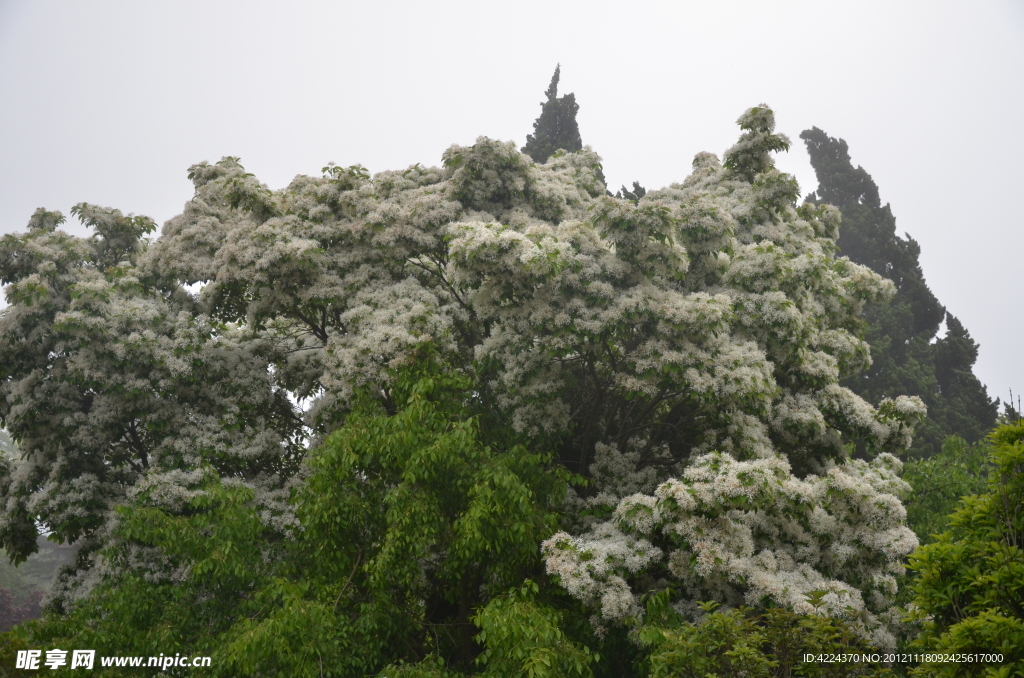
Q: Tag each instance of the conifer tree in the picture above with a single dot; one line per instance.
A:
(633, 195)
(556, 128)
(906, 357)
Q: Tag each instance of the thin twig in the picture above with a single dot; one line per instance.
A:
(359, 558)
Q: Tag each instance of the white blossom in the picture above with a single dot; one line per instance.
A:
(686, 351)
(749, 532)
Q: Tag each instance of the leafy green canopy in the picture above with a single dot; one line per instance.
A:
(905, 359)
(744, 642)
(940, 481)
(409, 524)
(971, 581)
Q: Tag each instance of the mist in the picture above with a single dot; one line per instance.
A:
(111, 102)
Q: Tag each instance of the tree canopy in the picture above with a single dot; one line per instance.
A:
(970, 586)
(940, 481)
(360, 421)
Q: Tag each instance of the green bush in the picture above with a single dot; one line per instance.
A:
(970, 586)
(939, 482)
(752, 644)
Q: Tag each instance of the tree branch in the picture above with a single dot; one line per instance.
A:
(359, 558)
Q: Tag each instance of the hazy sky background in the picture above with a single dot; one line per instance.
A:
(110, 102)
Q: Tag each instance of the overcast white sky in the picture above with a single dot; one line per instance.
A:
(110, 102)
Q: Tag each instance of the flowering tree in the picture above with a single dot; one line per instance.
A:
(110, 382)
(681, 352)
(747, 321)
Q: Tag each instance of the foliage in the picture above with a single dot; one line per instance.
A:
(461, 520)
(22, 588)
(10, 643)
(970, 585)
(632, 195)
(556, 128)
(324, 429)
(906, 357)
(743, 642)
(356, 587)
(522, 638)
(171, 582)
(939, 482)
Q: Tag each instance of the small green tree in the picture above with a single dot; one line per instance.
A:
(207, 564)
(12, 642)
(523, 638)
(556, 128)
(970, 587)
(939, 482)
(409, 525)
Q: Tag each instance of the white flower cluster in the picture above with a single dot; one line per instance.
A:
(749, 532)
(717, 300)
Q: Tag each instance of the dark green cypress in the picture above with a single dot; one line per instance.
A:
(556, 128)
(634, 195)
(907, 357)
